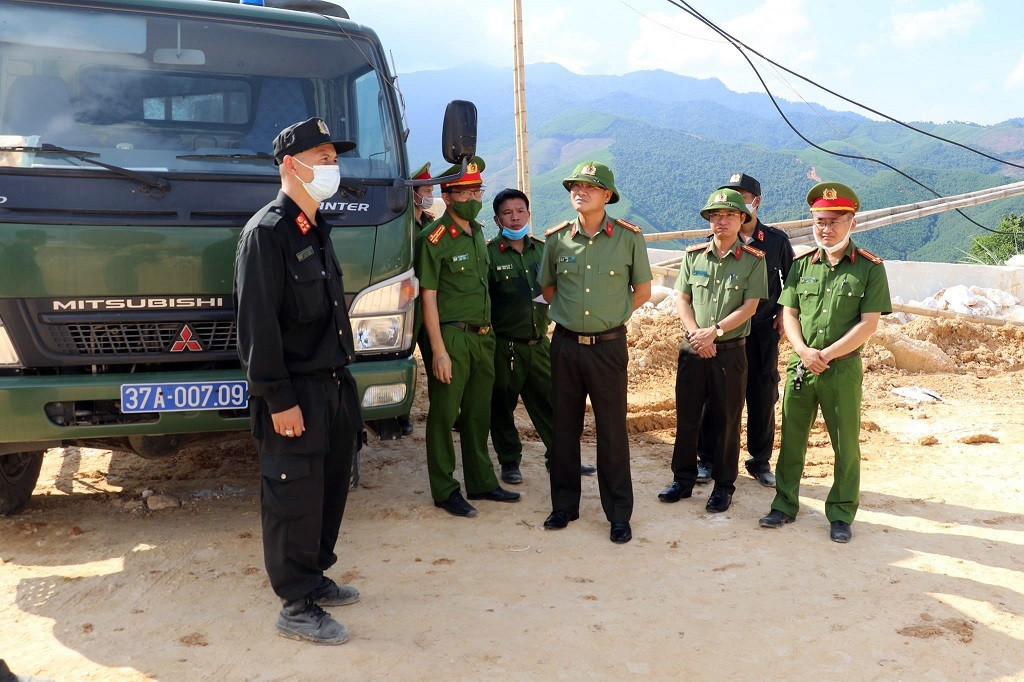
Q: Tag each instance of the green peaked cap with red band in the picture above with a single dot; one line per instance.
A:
(472, 177)
(833, 196)
(423, 173)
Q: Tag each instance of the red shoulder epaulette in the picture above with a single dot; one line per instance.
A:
(556, 228)
(870, 256)
(435, 236)
(629, 226)
(753, 251)
(697, 247)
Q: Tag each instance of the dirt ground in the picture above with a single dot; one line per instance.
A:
(93, 586)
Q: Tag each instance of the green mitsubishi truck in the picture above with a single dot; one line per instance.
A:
(135, 142)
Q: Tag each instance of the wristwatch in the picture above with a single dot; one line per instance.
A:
(718, 330)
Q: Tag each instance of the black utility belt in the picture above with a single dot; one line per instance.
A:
(329, 373)
(528, 342)
(471, 328)
(731, 343)
(590, 339)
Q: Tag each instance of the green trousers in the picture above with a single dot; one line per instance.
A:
(520, 370)
(469, 393)
(838, 392)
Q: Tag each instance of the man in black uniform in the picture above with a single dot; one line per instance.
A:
(762, 346)
(295, 342)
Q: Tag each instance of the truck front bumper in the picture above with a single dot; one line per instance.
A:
(28, 404)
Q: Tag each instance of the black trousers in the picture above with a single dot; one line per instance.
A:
(597, 370)
(305, 482)
(716, 385)
(762, 394)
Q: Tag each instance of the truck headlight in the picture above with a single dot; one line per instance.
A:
(382, 315)
(8, 356)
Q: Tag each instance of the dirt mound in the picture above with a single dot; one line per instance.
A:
(976, 348)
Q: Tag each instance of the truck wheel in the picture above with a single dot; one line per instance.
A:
(18, 475)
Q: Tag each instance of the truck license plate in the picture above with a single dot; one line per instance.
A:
(177, 397)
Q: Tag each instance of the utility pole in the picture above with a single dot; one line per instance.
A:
(522, 143)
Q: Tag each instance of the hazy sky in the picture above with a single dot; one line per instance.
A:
(922, 60)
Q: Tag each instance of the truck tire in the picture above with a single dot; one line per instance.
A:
(18, 475)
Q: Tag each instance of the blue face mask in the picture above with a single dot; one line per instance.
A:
(516, 234)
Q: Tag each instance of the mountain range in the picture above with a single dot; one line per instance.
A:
(671, 140)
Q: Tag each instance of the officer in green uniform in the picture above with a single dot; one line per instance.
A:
(452, 269)
(594, 273)
(522, 362)
(720, 284)
(832, 301)
(422, 199)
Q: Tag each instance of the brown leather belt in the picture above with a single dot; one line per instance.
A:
(731, 343)
(591, 339)
(471, 328)
(846, 356)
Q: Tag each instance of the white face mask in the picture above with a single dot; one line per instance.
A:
(325, 182)
(751, 208)
(423, 202)
(832, 250)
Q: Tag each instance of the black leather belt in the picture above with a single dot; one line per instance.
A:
(471, 328)
(528, 342)
(329, 373)
(731, 343)
(591, 339)
(846, 356)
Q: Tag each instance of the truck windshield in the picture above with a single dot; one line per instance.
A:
(183, 95)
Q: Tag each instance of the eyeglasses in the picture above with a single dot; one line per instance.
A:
(584, 187)
(460, 194)
(723, 215)
(830, 223)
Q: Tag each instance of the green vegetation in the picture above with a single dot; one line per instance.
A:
(672, 140)
(996, 248)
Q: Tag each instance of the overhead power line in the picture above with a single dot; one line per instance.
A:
(742, 48)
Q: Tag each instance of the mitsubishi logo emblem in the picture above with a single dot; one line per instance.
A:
(185, 341)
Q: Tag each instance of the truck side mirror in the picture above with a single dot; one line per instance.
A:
(458, 137)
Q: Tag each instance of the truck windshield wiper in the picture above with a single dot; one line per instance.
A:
(260, 156)
(347, 188)
(46, 148)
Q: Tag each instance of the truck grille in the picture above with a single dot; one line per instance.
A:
(142, 338)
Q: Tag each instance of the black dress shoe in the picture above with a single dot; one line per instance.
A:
(405, 425)
(703, 472)
(840, 531)
(719, 501)
(621, 532)
(499, 494)
(510, 473)
(775, 519)
(587, 470)
(765, 478)
(674, 492)
(456, 505)
(559, 519)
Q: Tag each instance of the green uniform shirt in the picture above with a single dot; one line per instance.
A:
(831, 298)
(454, 264)
(717, 286)
(594, 275)
(513, 286)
